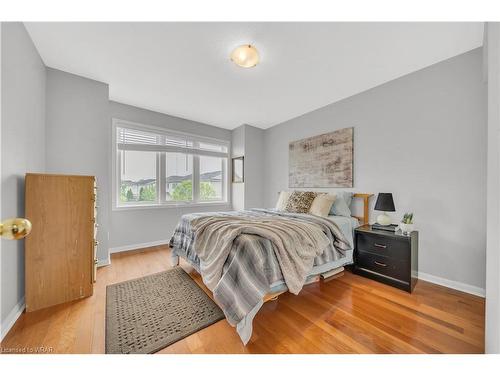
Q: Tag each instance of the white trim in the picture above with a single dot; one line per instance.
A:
(161, 165)
(220, 204)
(174, 149)
(11, 319)
(104, 262)
(471, 289)
(195, 174)
(120, 249)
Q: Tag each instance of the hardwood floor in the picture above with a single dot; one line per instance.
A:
(349, 314)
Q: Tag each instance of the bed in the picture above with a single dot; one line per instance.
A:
(240, 259)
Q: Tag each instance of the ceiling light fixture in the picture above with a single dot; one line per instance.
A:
(245, 56)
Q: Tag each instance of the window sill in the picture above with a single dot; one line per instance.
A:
(172, 205)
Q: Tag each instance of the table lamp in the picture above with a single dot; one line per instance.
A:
(384, 203)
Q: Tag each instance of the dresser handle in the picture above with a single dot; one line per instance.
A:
(379, 245)
(380, 264)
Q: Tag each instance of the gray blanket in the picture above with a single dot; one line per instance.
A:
(251, 267)
(295, 243)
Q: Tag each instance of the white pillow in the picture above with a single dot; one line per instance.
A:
(322, 204)
(283, 200)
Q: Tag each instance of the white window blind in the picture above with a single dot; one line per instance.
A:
(139, 140)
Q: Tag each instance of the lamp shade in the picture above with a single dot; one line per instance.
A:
(385, 202)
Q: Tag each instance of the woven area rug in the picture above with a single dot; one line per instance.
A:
(147, 314)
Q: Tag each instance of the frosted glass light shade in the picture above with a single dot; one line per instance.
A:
(245, 56)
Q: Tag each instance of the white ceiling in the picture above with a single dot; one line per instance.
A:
(183, 69)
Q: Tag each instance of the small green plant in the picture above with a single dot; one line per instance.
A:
(407, 218)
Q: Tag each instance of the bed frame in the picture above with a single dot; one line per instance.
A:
(366, 207)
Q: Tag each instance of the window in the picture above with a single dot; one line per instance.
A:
(211, 181)
(137, 176)
(157, 167)
(179, 173)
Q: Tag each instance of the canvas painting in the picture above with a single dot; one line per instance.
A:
(324, 160)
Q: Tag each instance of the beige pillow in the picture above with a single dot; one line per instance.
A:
(322, 204)
(300, 202)
(283, 200)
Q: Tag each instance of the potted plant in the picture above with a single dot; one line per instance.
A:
(406, 224)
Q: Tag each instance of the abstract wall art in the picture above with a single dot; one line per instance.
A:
(324, 160)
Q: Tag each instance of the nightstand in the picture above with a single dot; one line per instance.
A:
(388, 257)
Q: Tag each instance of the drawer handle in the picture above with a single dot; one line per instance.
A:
(379, 245)
(380, 264)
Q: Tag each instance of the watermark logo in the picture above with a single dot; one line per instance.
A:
(27, 350)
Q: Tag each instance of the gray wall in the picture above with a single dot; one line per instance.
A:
(79, 136)
(22, 147)
(254, 167)
(423, 138)
(492, 57)
(138, 226)
(248, 141)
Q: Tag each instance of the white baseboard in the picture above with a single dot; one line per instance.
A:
(471, 289)
(119, 249)
(104, 262)
(11, 319)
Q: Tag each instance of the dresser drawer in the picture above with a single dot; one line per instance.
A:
(386, 266)
(389, 247)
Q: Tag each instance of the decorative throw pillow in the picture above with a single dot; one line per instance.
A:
(300, 201)
(340, 207)
(348, 197)
(283, 200)
(322, 204)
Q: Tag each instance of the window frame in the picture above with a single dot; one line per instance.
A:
(161, 181)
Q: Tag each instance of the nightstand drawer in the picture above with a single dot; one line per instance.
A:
(397, 269)
(385, 246)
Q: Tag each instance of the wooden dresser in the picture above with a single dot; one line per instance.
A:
(388, 257)
(60, 252)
